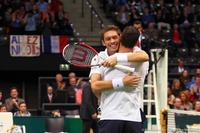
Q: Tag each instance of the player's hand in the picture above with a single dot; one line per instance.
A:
(110, 62)
(130, 80)
(94, 116)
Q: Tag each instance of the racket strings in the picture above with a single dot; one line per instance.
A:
(78, 54)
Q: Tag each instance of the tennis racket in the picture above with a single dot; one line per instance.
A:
(82, 55)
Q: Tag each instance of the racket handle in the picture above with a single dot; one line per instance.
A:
(126, 68)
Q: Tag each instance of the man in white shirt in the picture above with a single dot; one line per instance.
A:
(121, 98)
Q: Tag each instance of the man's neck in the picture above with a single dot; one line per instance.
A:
(123, 49)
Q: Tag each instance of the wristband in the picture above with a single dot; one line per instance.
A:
(117, 83)
(122, 58)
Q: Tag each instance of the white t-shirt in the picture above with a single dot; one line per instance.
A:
(122, 104)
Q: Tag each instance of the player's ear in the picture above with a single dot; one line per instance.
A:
(120, 37)
(103, 42)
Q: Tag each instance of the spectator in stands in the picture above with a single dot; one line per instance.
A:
(49, 97)
(5, 5)
(152, 33)
(35, 9)
(191, 38)
(42, 5)
(47, 25)
(55, 4)
(8, 17)
(1, 95)
(176, 36)
(177, 103)
(152, 7)
(173, 17)
(123, 18)
(3, 108)
(88, 110)
(29, 5)
(186, 104)
(185, 78)
(141, 6)
(73, 75)
(180, 67)
(79, 92)
(171, 97)
(110, 7)
(59, 84)
(135, 16)
(195, 88)
(48, 11)
(197, 71)
(16, 4)
(185, 19)
(12, 103)
(196, 105)
(177, 6)
(30, 23)
(190, 96)
(71, 90)
(190, 7)
(65, 26)
(176, 87)
(22, 110)
(147, 18)
(16, 25)
(160, 20)
(163, 8)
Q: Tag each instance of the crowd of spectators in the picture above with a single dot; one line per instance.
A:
(180, 17)
(34, 17)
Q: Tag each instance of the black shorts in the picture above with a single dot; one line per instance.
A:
(121, 126)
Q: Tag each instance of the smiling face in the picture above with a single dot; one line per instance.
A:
(111, 41)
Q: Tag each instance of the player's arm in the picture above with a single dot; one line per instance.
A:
(138, 56)
(99, 86)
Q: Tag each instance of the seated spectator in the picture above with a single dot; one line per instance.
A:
(197, 71)
(59, 84)
(71, 91)
(164, 9)
(177, 6)
(30, 23)
(176, 87)
(173, 17)
(185, 19)
(1, 100)
(176, 36)
(141, 6)
(147, 18)
(190, 96)
(197, 11)
(185, 78)
(49, 97)
(196, 106)
(195, 88)
(191, 38)
(55, 4)
(152, 33)
(135, 16)
(79, 92)
(22, 110)
(180, 68)
(73, 75)
(65, 26)
(29, 5)
(12, 103)
(177, 103)
(123, 18)
(186, 104)
(3, 108)
(160, 20)
(42, 5)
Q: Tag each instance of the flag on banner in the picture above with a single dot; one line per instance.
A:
(53, 44)
(24, 46)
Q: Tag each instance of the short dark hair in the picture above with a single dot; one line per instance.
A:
(12, 88)
(130, 36)
(2, 105)
(196, 76)
(137, 22)
(22, 103)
